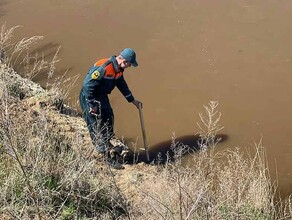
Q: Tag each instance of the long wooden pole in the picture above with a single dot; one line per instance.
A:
(144, 133)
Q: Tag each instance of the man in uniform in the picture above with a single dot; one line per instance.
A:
(101, 79)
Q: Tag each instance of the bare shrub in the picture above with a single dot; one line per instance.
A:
(209, 125)
(11, 51)
(6, 41)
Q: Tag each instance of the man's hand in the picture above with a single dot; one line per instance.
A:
(137, 103)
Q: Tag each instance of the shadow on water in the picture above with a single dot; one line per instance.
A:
(163, 151)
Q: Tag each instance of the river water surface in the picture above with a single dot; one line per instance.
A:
(189, 52)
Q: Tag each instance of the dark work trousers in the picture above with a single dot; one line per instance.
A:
(100, 126)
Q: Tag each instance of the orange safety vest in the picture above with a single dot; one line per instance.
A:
(110, 72)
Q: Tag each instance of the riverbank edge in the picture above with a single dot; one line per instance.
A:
(33, 100)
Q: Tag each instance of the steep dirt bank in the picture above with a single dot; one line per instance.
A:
(28, 102)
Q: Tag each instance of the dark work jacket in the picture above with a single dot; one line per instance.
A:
(102, 78)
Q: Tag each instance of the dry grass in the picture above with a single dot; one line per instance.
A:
(222, 185)
(20, 55)
(42, 177)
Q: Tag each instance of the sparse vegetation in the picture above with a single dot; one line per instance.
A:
(213, 185)
(48, 170)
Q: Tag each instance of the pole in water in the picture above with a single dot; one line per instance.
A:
(144, 133)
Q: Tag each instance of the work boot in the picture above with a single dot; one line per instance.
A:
(101, 148)
(115, 142)
(119, 151)
(115, 164)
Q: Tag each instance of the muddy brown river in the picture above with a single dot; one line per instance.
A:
(189, 52)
